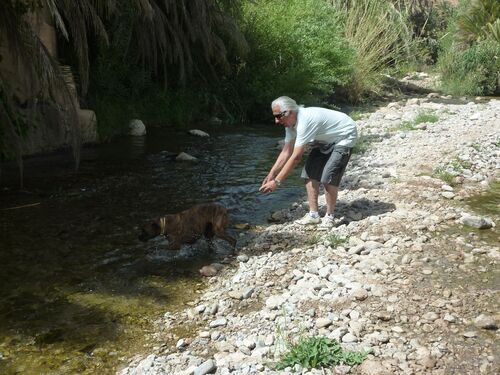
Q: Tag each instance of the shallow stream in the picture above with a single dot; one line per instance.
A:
(78, 292)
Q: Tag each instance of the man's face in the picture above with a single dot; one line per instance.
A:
(285, 118)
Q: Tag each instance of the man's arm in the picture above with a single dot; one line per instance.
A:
(293, 160)
(280, 161)
(298, 151)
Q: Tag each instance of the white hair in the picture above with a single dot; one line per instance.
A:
(285, 103)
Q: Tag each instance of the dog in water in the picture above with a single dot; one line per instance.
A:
(208, 219)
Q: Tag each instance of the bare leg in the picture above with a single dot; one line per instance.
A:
(312, 188)
(331, 193)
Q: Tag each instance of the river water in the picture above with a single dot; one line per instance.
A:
(78, 292)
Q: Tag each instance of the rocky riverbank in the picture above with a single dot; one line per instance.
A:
(402, 275)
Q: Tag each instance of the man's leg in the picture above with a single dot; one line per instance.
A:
(331, 193)
(312, 188)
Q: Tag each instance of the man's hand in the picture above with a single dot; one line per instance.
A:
(268, 178)
(268, 187)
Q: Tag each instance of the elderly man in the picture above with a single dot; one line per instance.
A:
(331, 134)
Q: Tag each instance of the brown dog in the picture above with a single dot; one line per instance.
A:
(208, 219)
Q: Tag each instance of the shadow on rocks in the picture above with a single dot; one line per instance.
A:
(362, 208)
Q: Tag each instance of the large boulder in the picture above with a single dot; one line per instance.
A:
(137, 128)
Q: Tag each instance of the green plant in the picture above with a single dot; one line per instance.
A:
(476, 146)
(335, 240)
(479, 20)
(395, 180)
(355, 115)
(362, 145)
(313, 239)
(425, 117)
(379, 34)
(404, 126)
(317, 352)
(474, 70)
(297, 49)
(444, 175)
(458, 165)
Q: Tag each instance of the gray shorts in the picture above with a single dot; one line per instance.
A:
(327, 164)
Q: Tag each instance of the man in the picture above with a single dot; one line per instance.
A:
(331, 134)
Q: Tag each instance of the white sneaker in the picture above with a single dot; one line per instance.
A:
(327, 222)
(308, 220)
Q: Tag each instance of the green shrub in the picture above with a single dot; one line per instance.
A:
(478, 20)
(317, 352)
(471, 71)
(297, 50)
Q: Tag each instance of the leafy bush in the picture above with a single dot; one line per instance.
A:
(428, 20)
(469, 61)
(471, 71)
(479, 20)
(319, 351)
(297, 50)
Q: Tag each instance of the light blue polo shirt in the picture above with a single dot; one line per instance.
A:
(322, 125)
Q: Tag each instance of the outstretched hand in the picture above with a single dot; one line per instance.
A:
(268, 186)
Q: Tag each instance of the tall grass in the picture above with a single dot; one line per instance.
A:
(379, 34)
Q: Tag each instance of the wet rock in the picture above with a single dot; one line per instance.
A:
(209, 271)
(186, 157)
(137, 128)
(476, 222)
(198, 133)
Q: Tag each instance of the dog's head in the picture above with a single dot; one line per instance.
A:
(150, 230)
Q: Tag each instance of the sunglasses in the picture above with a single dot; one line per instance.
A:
(280, 115)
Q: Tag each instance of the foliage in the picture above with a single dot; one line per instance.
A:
(297, 50)
(363, 143)
(471, 71)
(39, 77)
(422, 117)
(335, 240)
(313, 239)
(180, 52)
(317, 352)
(425, 117)
(444, 175)
(469, 60)
(380, 36)
(179, 39)
(479, 20)
(428, 20)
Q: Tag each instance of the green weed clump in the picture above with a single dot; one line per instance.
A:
(317, 352)
(362, 145)
(444, 175)
(421, 118)
(335, 240)
(426, 117)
